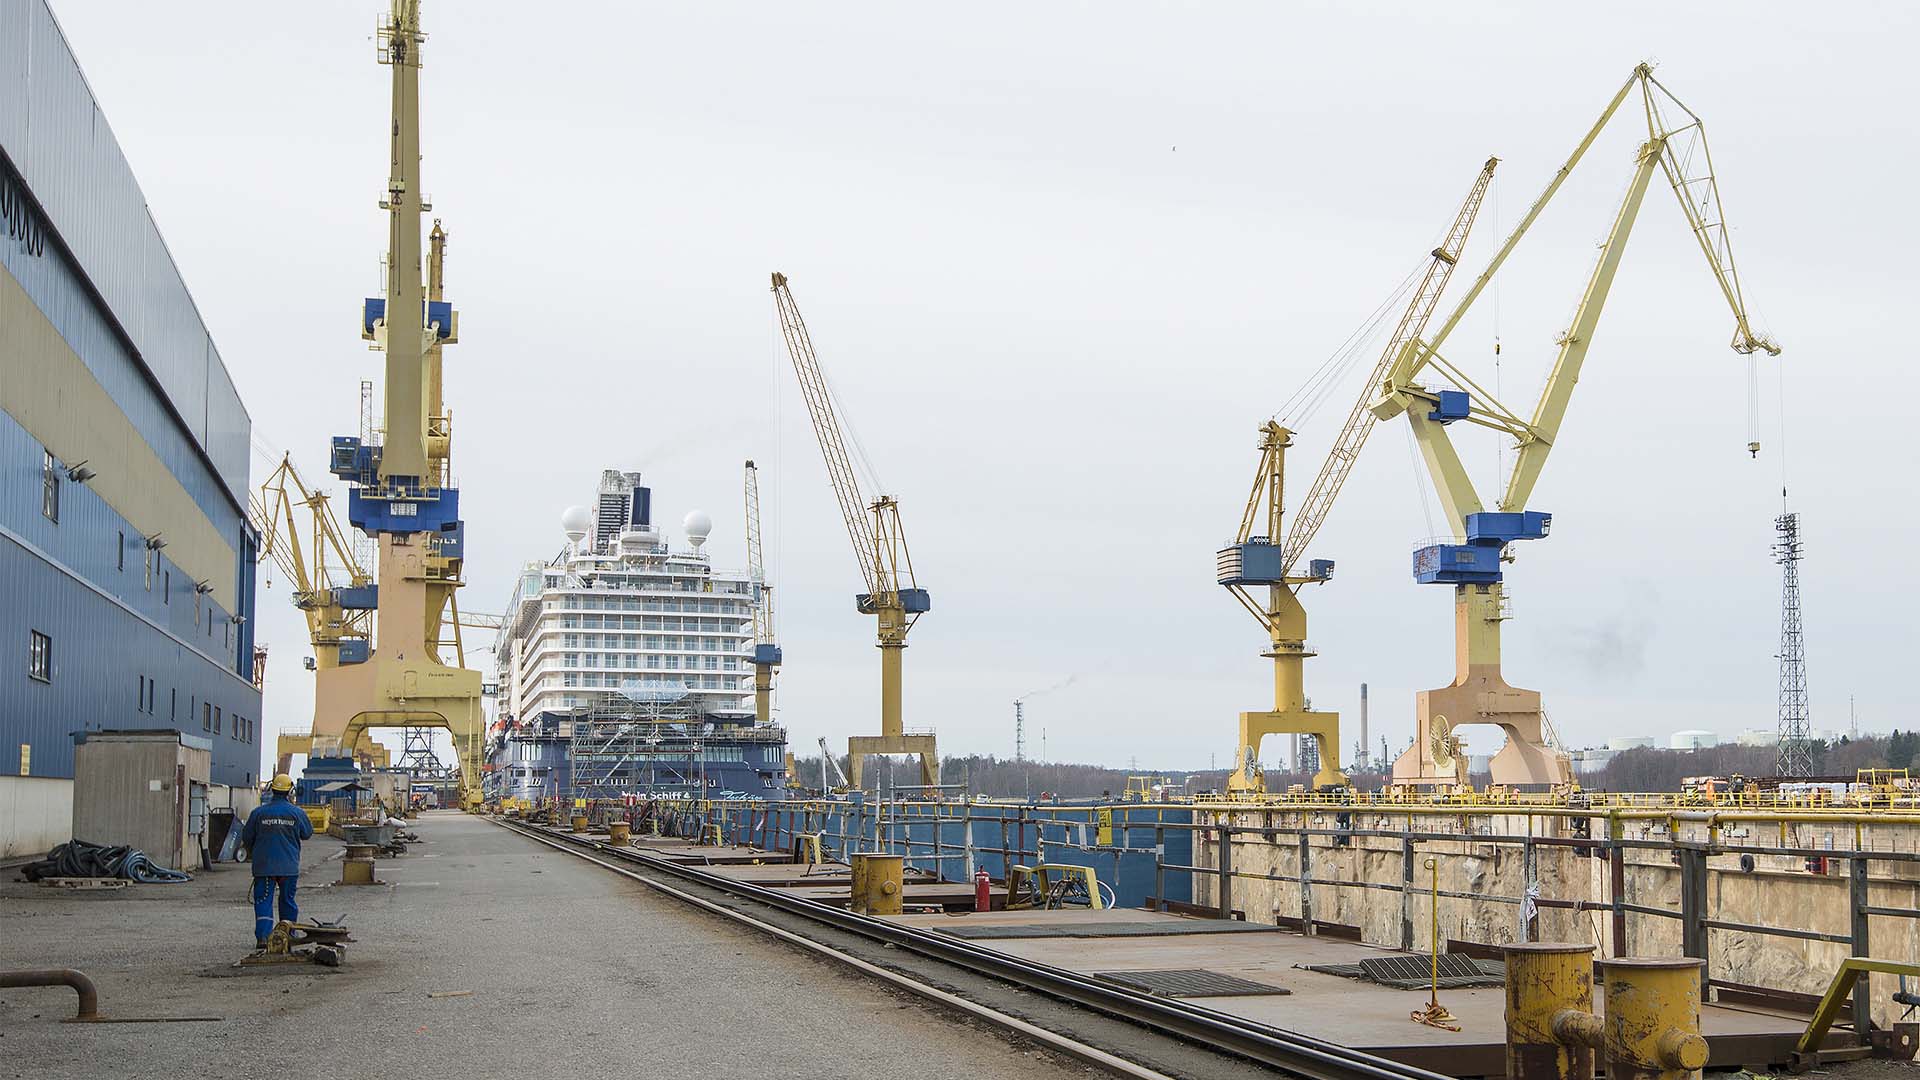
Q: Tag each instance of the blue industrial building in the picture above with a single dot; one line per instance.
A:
(126, 557)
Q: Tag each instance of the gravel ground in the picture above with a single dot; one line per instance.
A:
(556, 967)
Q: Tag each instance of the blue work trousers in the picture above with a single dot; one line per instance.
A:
(263, 890)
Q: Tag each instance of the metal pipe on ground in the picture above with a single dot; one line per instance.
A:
(89, 1006)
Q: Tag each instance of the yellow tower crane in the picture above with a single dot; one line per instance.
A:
(766, 654)
(1259, 557)
(1676, 145)
(879, 544)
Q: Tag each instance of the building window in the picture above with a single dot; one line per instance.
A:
(217, 719)
(149, 548)
(49, 486)
(140, 696)
(206, 716)
(173, 703)
(166, 592)
(39, 656)
(120, 553)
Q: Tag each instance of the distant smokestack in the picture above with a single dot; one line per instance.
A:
(1363, 718)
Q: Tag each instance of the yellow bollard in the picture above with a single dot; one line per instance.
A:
(619, 833)
(356, 865)
(877, 884)
(1652, 1024)
(1546, 979)
(579, 823)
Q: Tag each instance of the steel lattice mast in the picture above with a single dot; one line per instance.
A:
(1796, 752)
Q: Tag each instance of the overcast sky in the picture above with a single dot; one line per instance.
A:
(1060, 261)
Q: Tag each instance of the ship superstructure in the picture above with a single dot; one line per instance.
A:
(625, 665)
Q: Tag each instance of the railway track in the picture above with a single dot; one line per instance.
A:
(1109, 1027)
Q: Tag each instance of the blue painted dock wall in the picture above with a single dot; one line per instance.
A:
(935, 837)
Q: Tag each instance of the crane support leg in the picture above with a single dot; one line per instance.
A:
(763, 694)
(860, 747)
(1479, 694)
(1287, 624)
(891, 725)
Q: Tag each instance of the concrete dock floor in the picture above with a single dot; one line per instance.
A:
(555, 967)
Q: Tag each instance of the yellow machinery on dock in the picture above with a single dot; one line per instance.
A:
(1472, 563)
(880, 545)
(377, 637)
(1257, 555)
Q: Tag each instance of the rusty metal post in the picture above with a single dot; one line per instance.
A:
(1549, 983)
(89, 995)
(1652, 1022)
(1306, 884)
(1406, 888)
(1159, 865)
(1862, 990)
(1693, 905)
(1617, 858)
(1225, 865)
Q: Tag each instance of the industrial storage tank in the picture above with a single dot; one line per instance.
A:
(1692, 739)
(1630, 742)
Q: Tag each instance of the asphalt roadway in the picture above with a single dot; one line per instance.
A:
(483, 955)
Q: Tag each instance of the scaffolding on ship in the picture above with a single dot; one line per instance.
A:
(648, 742)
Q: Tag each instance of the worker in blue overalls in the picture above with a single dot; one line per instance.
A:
(272, 836)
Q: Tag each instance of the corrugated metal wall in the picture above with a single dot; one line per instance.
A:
(56, 136)
(108, 285)
(100, 653)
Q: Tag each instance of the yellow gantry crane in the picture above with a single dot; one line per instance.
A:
(766, 654)
(330, 587)
(1259, 557)
(1676, 146)
(880, 545)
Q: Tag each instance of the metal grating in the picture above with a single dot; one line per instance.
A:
(1188, 982)
(1415, 971)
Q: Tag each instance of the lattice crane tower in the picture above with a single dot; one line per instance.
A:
(1796, 751)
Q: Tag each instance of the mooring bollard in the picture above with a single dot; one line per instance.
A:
(1545, 980)
(877, 885)
(1652, 1024)
(619, 833)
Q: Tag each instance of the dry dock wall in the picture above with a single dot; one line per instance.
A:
(1490, 876)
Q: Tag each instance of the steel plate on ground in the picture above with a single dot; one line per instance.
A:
(1188, 982)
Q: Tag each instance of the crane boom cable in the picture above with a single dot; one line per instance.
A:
(1300, 406)
(1345, 452)
(854, 508)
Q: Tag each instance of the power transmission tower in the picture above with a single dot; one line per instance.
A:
(1796, 756)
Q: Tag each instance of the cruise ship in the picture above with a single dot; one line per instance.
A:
(625, 666)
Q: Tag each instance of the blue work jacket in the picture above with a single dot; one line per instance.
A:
(273, 833)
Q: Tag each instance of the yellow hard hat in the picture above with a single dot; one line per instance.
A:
(282, 782)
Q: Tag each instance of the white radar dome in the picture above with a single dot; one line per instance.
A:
(698, 526)
(576, 520)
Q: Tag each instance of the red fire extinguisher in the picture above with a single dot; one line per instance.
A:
(982, 891)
